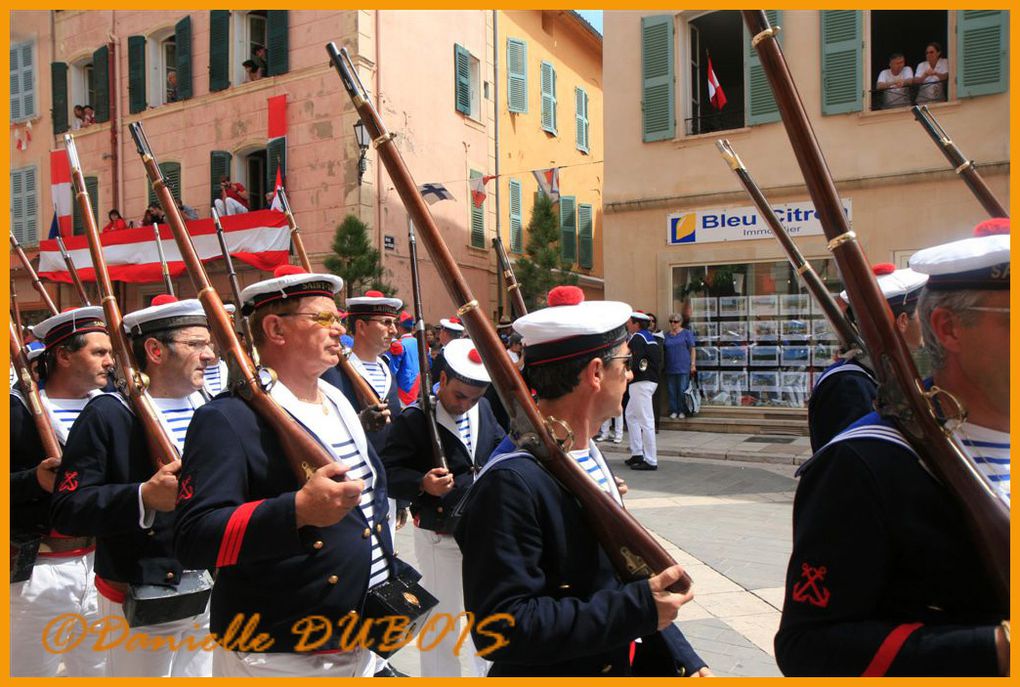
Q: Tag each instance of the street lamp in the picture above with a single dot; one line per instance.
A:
(364, 140)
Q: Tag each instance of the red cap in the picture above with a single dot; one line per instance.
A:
(565, 295)
(163, 299)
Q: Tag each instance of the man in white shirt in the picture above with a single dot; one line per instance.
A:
(894, 82)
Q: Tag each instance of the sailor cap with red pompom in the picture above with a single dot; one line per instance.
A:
(980, 262)
(453, 324)
(166, 312)
(373, 303)
(464, 360)
(289, 281)
(899, 287)
(571, 327)
(58, 328)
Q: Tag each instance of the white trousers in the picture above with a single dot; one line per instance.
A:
(163, 661)
(357, 663)
(439, 560)
(618, 432)
(57, 587)
(231, 207)
(641, 421)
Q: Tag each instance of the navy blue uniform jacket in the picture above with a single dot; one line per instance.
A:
(236, 513)
(529, 552)
(645, 347)
(30, 503)
(839, 399)
(392, 400)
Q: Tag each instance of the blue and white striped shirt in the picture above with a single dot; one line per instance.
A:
(177, 412)
(464, 427)
(990, 450)
(66, 410)
(216, 378)
(591, 466)
(376, 376)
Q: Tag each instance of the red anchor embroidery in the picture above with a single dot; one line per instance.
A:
(185, 491)
(810, 589)
(69, 483)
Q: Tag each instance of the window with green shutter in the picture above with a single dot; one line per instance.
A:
(101, 80)
(658, 106)
(22, 83)
(761, 104)
(581, 117)
(568, 229)
(842, 89)
(219, 166)
(182, 58)
(276, 156)
(58, 80)
(981, 45)
(219, 50)
(136, 74)
(277, 45)
(549, 98)
(516, 75)
(516, 218)
(462, 81)
(585, 236)
(25, 206)
(477, 218)
(92, 188)
(172, 173)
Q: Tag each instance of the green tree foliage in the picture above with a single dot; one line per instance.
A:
(356, 261)
(541, 267)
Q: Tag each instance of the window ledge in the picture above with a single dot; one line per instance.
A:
(881, 116)
(679, 142)
(34, 120)
(473, 123)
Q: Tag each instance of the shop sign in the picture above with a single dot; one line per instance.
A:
(743, 223)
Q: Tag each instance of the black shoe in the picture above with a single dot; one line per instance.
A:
(634, 460)
(390, 671)
(642, 465)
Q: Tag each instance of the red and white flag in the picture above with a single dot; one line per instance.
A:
(715, 91)
(548, 181)
(260, 239)
(277, 131)
(277, 204)
(60, 188)
(478, 193)
(22, 136)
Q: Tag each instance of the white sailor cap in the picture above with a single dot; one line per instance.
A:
(899, 287)
(452, 323)
(373, 303)
(166, 312)
(289, 281)
(571, 327)
(463, 359)
(640, 315)
(61, 327)
(980, 262)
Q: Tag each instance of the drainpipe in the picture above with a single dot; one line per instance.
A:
(116, 140)
(378, 167)
(499, 180)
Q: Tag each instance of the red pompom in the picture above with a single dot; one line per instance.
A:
(455, 320)
(69, 308)
(883, 268)
(374, 294)
(992, 227)
(565, 295)
(474, 356)
(287, 270)
(163, 299)
(396, 348)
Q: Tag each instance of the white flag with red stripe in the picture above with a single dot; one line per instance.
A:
(478, 193)
(715, 91)
(60, 188)
(277, 204)
(260, 239)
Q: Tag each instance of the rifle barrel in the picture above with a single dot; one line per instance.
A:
(72, 270)
(517, 305)
(36, 282)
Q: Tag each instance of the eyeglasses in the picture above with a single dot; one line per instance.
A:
(674, 321)
(387, 322)
(194, 344)
(324, 319)
(625, 358)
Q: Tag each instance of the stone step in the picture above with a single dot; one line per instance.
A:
(739, 424)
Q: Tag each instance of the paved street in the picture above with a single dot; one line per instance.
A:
(728, 521)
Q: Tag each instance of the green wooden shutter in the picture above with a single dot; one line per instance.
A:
(92, 188)
(585, 231)
(172, 174)
(517, 75)
(516, 220)
(462, 79)
(101, 78)
(136, 74)
(981, 44)
(842, 89)
(568, 228)
(658, 109)
(477, 218)
(761, 104)
(22, 83)
(581, 119)
(219, 165)
(24, 206)
(58, 76)
(276, 155)
(182, 38)
(277, 50)
(219, 50)
(549, 98)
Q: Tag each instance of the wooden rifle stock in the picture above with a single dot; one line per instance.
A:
(901, 394)
(632, 549)
(303, 453)
(162, 449)
(517, 306)
(963, 167)
(235, 289)
(849, 339)
(16, 312)
(69, 261)
(425, 397)
(36, 282)
(168, 284)
(295, 232)
(30, 390)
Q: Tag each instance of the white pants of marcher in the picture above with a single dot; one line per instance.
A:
(618, 432)
(641, 421)
(439, 561)
(162, 662)
(58, 587)
(357, 663)
(232, 207)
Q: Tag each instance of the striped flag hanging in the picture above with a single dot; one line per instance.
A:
(548, 181)
(276, 146)
(478, 193)
(60, 187)
(715, 91)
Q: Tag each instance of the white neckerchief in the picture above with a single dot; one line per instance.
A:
(359, 365)
(444, 418)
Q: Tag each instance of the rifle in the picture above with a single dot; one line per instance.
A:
(69, 261)
(633, 551)
(132, 382)
(36, 282)
(849, 339)
(235, 289)
(30, 390)
(16, 311)
(901, 394)
(303, 453)
(295, 233)
(427, 400)
(168, 284)
(963, 167)
(513, 289)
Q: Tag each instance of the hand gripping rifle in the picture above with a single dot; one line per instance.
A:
(36, 282)
(633, 551)
(69, 261)
(132, 382)
(849, 339)
(30, 390)
(168, 284)
(901, 394)
(513, 289)
(302, 451)
(425, 397)
(295, 232)
(961, 165)
(235, 289)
